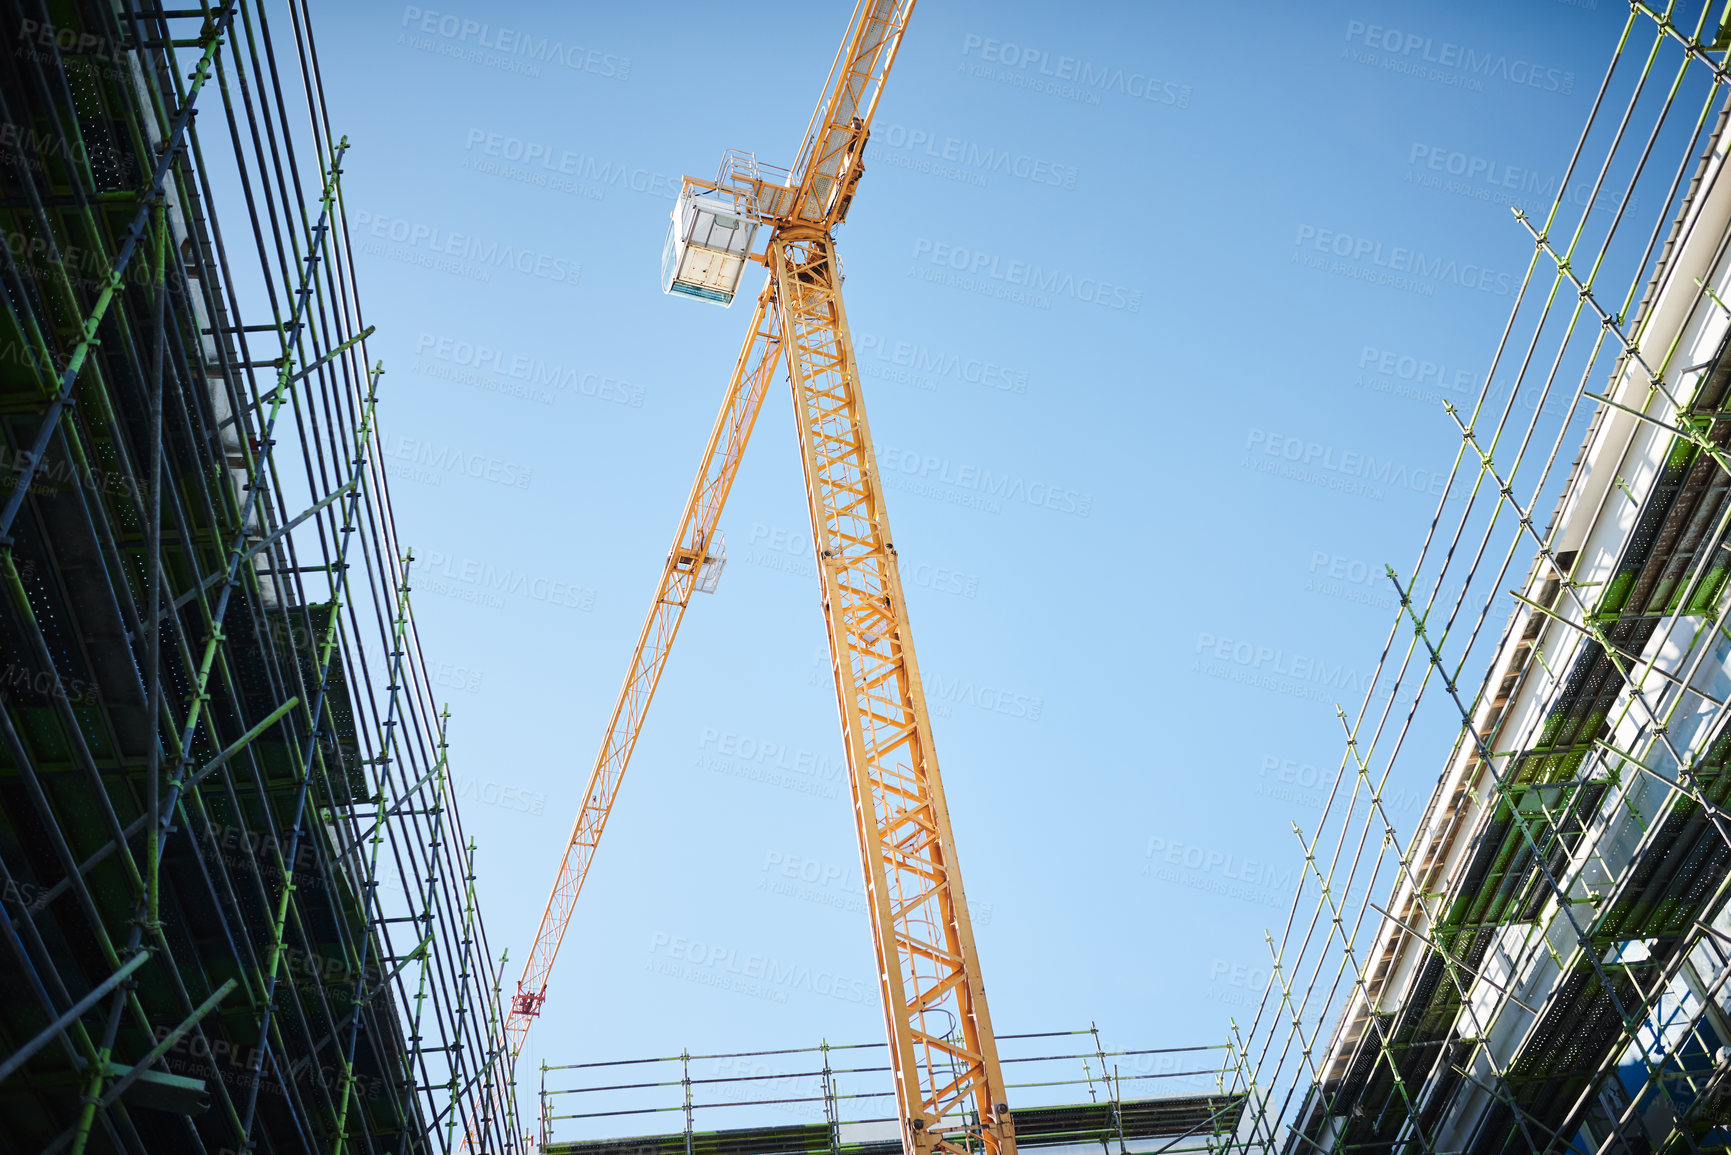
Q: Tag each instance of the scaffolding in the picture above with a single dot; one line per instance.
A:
(839, 1099)
(1545, 963)
(237, 903)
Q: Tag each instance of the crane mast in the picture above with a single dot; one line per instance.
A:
(948, 1083)
(949, 1086)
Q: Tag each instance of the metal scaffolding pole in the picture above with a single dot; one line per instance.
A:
(1575, 855)
(162, 530)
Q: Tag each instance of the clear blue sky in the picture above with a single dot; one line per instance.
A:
(1300, 214)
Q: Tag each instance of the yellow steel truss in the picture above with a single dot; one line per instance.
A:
(942, 1051)
(679, 575)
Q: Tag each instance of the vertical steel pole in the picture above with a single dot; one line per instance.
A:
(153, 562)
(685, 1078)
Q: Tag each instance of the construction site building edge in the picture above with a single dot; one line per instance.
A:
(237, 901)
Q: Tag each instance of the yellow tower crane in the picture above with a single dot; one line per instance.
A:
(949, 1087)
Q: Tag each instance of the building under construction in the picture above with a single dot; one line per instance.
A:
(1545, 963)
(236, 898)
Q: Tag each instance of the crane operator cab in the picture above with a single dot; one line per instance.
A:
(707, 244)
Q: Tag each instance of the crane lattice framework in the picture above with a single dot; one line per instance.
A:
(949, 1087)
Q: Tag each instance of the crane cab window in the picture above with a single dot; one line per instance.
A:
(707, 245)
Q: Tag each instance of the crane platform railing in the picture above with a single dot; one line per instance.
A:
(763, 192)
